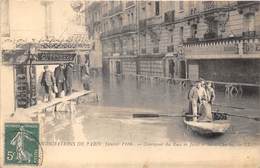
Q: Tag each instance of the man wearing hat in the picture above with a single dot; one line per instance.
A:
(60, 79)
(194, 99)
(48, 82)
(69, 78)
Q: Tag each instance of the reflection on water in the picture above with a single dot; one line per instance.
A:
(111, 119)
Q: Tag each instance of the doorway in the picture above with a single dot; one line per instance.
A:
(171, 68)
(182, 69)
(118, 67)
(193, 72)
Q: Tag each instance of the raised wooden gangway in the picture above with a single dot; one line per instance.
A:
(41, 107)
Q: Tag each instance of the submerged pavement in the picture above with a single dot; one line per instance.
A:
(110, 120)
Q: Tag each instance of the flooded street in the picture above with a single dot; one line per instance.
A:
(110, 120)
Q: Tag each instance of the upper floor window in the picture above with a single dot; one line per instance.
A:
(249, 22)
(194, 31)
(181, 34)
(157, 8)
(181, 5)
(209, 5)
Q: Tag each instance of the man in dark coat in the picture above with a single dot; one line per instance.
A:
(69, 78)
(48, 82)
(60, 79)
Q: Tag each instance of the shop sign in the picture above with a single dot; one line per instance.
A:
(48, 57)
(231, 48)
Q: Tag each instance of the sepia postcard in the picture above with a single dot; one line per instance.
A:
(129, 84)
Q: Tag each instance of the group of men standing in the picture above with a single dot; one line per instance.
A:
(201, 97)
(59, 82)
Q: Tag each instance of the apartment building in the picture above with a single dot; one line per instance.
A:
(214, 40)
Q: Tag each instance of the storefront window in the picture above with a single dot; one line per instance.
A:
(157, 8)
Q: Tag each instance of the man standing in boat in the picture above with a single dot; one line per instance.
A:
(207, 96)
(210, 93)
(194, 99)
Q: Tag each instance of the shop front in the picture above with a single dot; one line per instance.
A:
(25, 66)
(175, 66)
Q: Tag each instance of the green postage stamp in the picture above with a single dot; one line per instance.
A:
(21, 145)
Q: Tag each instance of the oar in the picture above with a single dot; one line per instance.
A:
(150, 115)
(242, 116)
(240, 108)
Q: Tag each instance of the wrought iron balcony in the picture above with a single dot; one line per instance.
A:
(169, 16)
(245, 2)
(111, 32)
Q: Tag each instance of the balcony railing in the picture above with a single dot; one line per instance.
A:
(154, 20)
(116, 9)
(111, 32)
(246, 2)
(169, 16)
(129, 28)
(129, 3)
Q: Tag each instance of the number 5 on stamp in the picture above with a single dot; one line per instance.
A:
(21, 143)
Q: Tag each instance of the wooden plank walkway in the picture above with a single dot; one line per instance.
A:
(34, 110)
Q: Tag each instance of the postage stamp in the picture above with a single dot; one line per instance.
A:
(21, 145)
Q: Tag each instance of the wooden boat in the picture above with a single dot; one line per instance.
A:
(219, 125)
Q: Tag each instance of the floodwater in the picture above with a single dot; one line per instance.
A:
(110, 120)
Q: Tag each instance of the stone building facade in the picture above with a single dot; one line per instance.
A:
(34, 27)
(214, 40)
